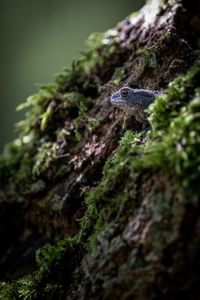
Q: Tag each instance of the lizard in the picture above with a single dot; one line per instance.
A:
(134, 101)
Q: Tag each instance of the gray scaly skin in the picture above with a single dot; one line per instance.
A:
(134, 101)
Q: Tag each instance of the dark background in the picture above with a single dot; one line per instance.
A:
(39, 37)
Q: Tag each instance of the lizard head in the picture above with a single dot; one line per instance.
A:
(123, 97)
(134, 101)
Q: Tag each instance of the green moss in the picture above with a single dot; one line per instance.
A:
(95, 40)
(83, 120)
(32, 159)
(28, 286)
(54, 265)
(7, 291)
(119, 76)
(25, 169)
(93, 123)
(27, 156)
(47, 116)
(149, 56)
(101, 204)
(76, 100)
(49, 256)
(17, 160)
(8, 161)
(174, 139)
(45, 155)
(36, 104)
(25, 288)
(80, 120)
(168, 35)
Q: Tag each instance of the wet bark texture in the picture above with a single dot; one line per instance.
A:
(139, 253)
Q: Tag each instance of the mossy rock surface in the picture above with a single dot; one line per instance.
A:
(90, 210)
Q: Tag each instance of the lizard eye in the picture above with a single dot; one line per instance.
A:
(124, 93)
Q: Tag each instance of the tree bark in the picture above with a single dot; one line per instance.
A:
(116, 210)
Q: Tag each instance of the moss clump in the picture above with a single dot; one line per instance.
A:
(17, 160)
(173, 143)
(175, 139)
(37, 145)
(119, 76)
(47, 116)
(36, 104)
(45, 155)
(167, 35)
(95, 40)
(9, 160)
(49, 256)
(149, 56)
(49, 109)
(55, 264)
(81, 120)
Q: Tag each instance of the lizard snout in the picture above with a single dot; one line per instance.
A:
(116, 100)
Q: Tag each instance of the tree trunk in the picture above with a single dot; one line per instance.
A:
(110, 212)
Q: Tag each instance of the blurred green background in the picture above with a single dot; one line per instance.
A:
(39, 37)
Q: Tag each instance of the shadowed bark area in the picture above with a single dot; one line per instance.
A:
(116, 210)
